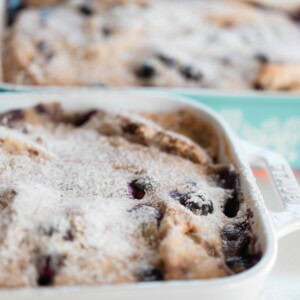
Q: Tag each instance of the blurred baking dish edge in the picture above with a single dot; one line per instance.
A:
(81, 43)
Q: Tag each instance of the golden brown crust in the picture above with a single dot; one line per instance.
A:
(182, 248)
(185, 122)
(93, 3)
(15, 63)
(233, 19)
(15, 146)
(278, 77)
(39, 3)
(139, 131)
(287, 5)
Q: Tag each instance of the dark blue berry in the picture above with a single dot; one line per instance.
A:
(83, 118)
(48, 266)
(40, 109)
(152, 275)
(176, 195)
(85, 10)
(146, 71)
(130, 128)
(44, 48)
(232, 205)
(262, 58)
(295, 16)
(13, 116)
(190, 73)
(166, 60)
(228, 177)
(69, 236)
(139, 187)
(107, 30)
(231, 233)
(195, 202)
(240, 263)
(236, 263)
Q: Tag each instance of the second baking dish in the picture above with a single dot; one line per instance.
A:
(207, 44)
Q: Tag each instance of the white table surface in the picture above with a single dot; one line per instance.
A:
(284, 282)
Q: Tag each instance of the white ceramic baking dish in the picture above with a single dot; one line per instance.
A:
(268, 226)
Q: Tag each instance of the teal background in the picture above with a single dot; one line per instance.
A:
(259, 112)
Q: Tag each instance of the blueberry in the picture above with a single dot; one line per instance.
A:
(196, 202)
(237, 238)
(107, 30)
(181, 197)
(16, 115)
(258, 86)
(176, 195)
(83, 118)
(237, 241)
(49, 231)
(41, 46)
(240, 263)
(69, 236)
(146, 71)
(139, 187)
(295, 16)
(130, 128)
(232, 205)
(85, 10)
(236, 263)
(40, 109)
(262, 58)
(44, 48)
(200, 204)
(152, 274)
(190, 73)
(13, 116)
(244, 226)
(228, 177)
(166, 60)
(231, 233)
(48, 266)
(253, 259)
(136, 192)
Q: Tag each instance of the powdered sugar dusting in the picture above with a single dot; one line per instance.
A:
(71, 216)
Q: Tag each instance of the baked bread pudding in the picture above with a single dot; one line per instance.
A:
(228, 45)
(103, 197)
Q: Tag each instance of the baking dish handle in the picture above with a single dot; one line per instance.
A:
(285, 185)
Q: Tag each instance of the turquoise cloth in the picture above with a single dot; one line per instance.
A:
(269, 121)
